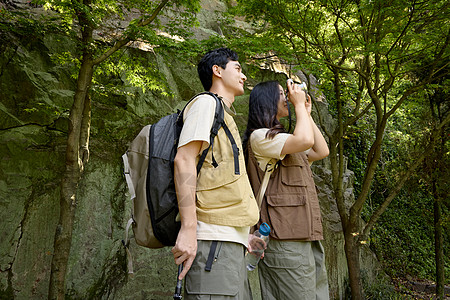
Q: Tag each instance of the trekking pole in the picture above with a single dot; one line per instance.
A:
(177, 295)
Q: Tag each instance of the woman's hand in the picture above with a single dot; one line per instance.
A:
(296, 94)
(256, 243)
(303, 137)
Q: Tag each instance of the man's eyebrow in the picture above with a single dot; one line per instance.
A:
(236, 64)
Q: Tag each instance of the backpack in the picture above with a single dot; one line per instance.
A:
(148, 169)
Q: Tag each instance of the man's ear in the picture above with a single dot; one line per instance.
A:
(217, 70)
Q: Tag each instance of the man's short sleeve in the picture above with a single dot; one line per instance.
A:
(198, 118)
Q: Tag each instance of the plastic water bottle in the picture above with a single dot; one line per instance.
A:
(259, 244)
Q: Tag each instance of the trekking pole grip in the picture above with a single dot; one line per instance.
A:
(177, 295)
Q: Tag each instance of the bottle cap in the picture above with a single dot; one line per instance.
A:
(264, 229)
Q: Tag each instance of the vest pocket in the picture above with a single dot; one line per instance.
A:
(288, 217)
(292, 172)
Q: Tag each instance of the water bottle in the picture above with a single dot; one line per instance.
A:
(259, 244)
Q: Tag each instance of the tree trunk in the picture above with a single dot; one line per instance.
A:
(77, 151)
(439, 245)
(69, 183)
(438, 235)
(352, 254)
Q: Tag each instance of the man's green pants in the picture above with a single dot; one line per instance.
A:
(227, 279)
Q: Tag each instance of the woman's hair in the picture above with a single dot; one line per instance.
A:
(262, 111)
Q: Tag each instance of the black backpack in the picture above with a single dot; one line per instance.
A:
(148, 169)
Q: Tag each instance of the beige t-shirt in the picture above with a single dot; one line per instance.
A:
(198, 119)
(267, 150)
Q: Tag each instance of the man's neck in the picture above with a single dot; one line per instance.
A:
(228, 98)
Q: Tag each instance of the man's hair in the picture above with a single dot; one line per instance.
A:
(220, 57)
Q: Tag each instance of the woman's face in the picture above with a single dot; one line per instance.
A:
(282, 104)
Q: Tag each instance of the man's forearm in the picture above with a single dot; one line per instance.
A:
(185, 185)
(185, 172)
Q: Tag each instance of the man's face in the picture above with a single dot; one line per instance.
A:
(233, 78)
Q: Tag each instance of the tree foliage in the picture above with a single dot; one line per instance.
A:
(367, 56)
(98, 30)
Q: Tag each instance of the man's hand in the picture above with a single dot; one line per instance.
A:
(185, 249)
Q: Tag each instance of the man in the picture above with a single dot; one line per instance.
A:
(217, 208)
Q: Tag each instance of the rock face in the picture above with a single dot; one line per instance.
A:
(36, 94)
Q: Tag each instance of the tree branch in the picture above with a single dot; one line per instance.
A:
(122, 42)
(401, 182)
(372, 159)
(355, 118)
(341, 41)
(403, 32)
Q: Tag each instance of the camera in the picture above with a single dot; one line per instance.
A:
(302, 85)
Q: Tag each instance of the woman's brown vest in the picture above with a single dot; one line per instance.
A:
(290, 205)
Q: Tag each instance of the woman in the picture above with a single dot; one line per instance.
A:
(293, 266)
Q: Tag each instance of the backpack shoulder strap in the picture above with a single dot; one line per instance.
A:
(180, 115)
(217, 123)
(234, 147)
